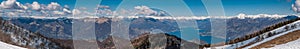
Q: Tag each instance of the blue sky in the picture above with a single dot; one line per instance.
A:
(257, 6)
(231, 7)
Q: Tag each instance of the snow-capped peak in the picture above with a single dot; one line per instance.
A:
(147, 11)
(243, 16)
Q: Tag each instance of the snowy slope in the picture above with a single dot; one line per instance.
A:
(273, 37)
(290, 45)
(9, 46)
(281, 31)
(22, 37)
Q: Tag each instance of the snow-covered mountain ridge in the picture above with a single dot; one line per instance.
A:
(240, 16)
(15, 35)
(266, 36)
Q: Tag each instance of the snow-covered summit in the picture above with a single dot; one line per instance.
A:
(240, 16)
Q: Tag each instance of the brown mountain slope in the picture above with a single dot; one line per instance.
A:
(12, 34)
(172, 42)
(141, 42)
(280, 40)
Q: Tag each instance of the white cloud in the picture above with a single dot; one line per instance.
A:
(76, 11)
(144, 10)
(53, 6)
(35, 6)
(58, 13)
(19, 5)
(7, 4)
(47, 10)
(66, 10)
(296, 6)
(103, 10)
(12, 4)
(11, 14)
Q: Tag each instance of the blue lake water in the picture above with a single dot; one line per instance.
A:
(207, 39)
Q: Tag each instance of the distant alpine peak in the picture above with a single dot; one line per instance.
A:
(147, 11)
(243, 16)
(239, 16)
